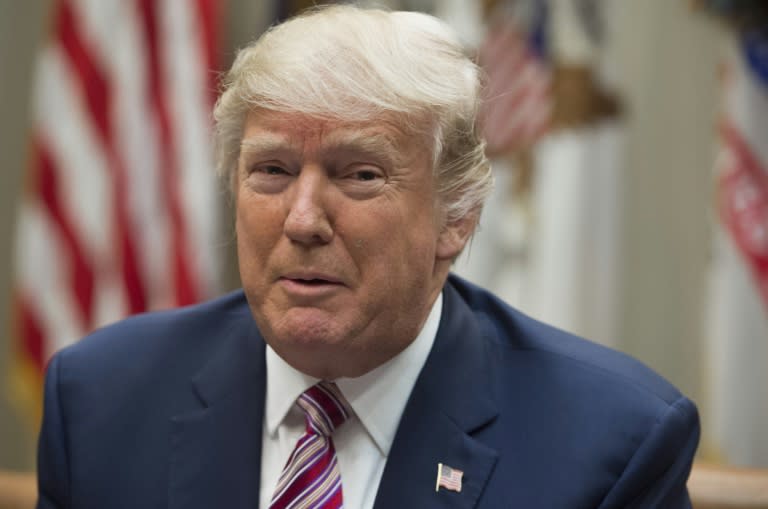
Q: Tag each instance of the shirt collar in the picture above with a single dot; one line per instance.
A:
(378, 397)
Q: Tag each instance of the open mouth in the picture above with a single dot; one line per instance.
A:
(314, 282)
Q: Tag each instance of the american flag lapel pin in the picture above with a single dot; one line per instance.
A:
(448, 478)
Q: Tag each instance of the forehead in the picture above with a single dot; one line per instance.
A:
(265, 130)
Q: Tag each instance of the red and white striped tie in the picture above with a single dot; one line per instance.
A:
(311, 479)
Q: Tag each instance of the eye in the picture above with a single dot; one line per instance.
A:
(365, 175)
(267, 177)
(362, 172)
(362, 181)
(269, 169)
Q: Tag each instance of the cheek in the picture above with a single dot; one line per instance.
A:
(257, 230)
(405, 232)
(257, 218)
(401, 253)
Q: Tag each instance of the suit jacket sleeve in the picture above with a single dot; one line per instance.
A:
(52, 462)
(657, 473)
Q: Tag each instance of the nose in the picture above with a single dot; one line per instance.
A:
(307, 221)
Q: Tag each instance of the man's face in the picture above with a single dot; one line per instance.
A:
(341, 247)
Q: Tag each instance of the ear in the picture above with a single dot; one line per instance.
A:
(454, 237)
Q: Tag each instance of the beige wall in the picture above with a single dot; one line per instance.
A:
(21, 27)
(667, 61)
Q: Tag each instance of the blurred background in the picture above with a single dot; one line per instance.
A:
(629, 141)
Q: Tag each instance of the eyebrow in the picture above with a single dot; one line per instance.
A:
(265, 142)
(358, 142)
(365, 143)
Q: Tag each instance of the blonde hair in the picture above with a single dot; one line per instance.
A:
(353, 64)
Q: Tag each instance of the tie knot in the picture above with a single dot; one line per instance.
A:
(324, 407)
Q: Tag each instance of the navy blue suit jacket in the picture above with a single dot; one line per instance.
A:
(165, 410)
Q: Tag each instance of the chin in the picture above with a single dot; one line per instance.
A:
(307, 331)
(314, 359)
(306, 336)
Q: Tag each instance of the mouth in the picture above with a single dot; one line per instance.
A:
(307, 288)
(311, 279)
(312, 282)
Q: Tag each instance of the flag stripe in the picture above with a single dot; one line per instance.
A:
(744, 169)
(119, 214)
(137, 143)
(186, 94)
(745, 156)
(91, 79)
(744, 208)
(185, 291)
(74, 149)
(95, 86)
(518, 101)
(737, 316)
(207, 21)
(43, 275)
(80, 276)
(189, 107)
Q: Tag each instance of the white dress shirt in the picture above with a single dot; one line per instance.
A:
(362, 443)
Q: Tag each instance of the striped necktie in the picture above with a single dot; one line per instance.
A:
(311, 476)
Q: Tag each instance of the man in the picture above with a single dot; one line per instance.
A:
(352, 369)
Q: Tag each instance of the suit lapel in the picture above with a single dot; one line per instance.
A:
(216, 447)
(451, 399)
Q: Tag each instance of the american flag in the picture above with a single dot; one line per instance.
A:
(743, 161)
(448, 478)
(518, 98)
(118, 213)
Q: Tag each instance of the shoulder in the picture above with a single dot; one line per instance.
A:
(602, 424)
(177, 339)
(570, 362)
